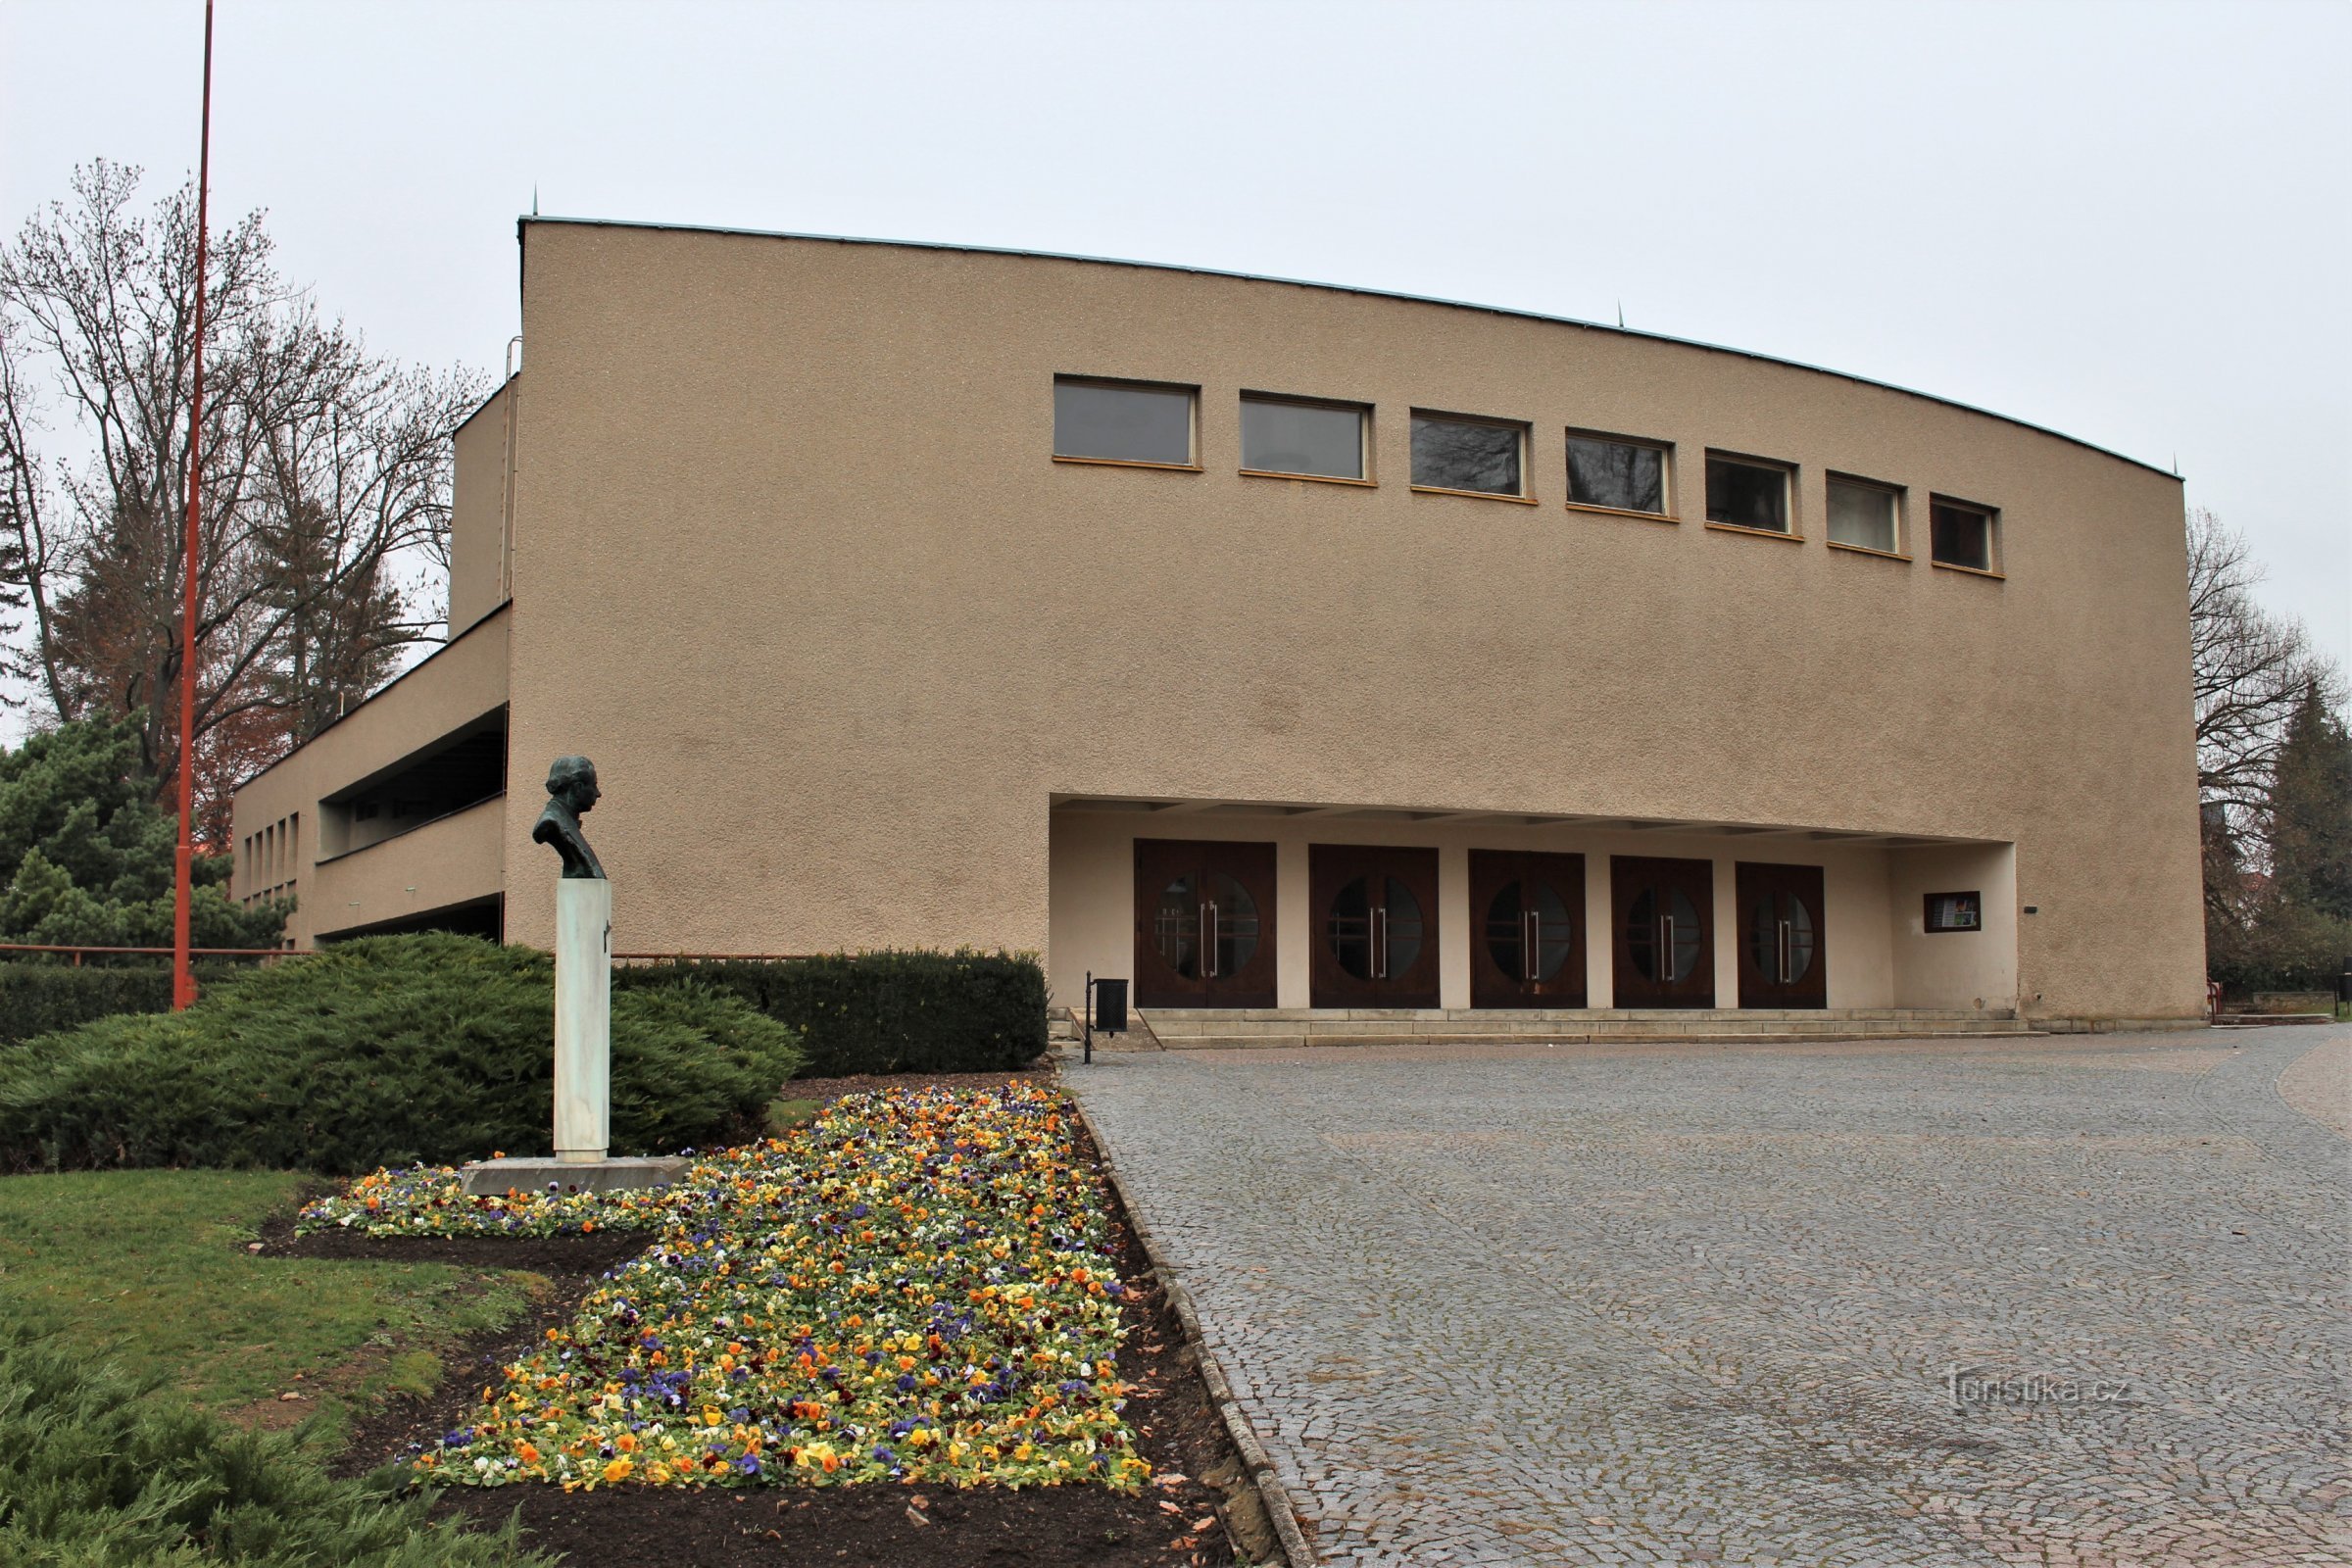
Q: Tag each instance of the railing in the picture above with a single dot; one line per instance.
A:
(159, 952)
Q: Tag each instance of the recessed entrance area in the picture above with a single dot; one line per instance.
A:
(1664, 930)
(1203, 924)
(1528, 949)
(1782, 935)
(1225, 904)
(1376, 925)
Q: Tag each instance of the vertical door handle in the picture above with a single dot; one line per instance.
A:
(1208, 958)
(1534, 944)
(1380, 947)
(1786, 976)
(1209, 941)
(1666, 946)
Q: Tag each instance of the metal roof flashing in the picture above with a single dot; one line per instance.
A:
(525, 221)
(488, 400)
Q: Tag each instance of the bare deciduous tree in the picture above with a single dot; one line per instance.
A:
(327, 475)
(2252, 673)
(2251, 670)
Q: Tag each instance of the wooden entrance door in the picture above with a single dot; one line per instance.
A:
(1664, 939)
(1375, 913)
(1203, 924)
(1781, 962)
(1526, 933)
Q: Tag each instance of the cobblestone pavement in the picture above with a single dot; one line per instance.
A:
(1692, 1304)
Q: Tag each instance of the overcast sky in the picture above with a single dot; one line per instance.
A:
(2132, 222)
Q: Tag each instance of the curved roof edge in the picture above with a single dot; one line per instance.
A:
(1345, 288)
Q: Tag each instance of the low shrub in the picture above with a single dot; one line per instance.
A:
(379, 1052)
(884, 1012)
(100, 1472)
(39, 996)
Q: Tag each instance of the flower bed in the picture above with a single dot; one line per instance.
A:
(918, 1287)
(432, 1201)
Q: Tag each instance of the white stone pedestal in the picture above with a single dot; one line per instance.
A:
(583, 1019)
(536, 1175)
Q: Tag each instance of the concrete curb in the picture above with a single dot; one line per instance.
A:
(1270, 1490)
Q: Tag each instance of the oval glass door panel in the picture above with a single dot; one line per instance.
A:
(1376, 931)
(1665, 949)
(1527, 930)
(1553, 929)
(1783, 942)
(1204, 923)
(1400, 929)
(1176, 928)
(1763, 935)
(1800, 937)
(1232, 923)
(1349, 928)
(1641, 936)
(1506, 931)
(1780, 938)
(1682, 942)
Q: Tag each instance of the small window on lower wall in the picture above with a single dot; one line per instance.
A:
(1123, 421)
(1473, 456)
(1865, 515)
(1616, 474)
(1955, 912)
(1748, 493)
(1961, 534)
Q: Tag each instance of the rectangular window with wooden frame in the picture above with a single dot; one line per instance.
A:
(1755, 494)
(1612, 474)
(1141, 423)
(1460, 454)
(1305, 438)
(1865, 515)
(1965, 535)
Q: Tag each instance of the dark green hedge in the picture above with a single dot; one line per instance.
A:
(40, 996)
(99, 1472)
(885, 1013)
(375, 1052)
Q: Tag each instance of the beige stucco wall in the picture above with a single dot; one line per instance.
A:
(477, 513)
(1956, 968)
(451, 860)
(794, 565)
(460, 682)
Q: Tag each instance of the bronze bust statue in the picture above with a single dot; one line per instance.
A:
(571, 781)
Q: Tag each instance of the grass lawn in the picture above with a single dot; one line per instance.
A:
(146, 1269)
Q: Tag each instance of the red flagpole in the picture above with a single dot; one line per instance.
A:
(183, 979)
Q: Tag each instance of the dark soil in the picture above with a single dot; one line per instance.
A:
(560, 1258)
(1200, 1503)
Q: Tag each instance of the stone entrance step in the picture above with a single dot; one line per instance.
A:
(1064, 1032)
(1264, 1028)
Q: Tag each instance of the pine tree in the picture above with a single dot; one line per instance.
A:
(86, 858)
(2301, 928)
(2311, 811)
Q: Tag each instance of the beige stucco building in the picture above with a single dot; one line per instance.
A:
(1272, 645)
